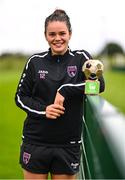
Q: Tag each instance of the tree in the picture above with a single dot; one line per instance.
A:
(111, 49)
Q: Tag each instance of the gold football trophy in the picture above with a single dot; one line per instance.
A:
(92, 69)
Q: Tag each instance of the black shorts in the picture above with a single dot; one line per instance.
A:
(44, 159)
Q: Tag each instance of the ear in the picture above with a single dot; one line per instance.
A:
(70, 35)
(45, 35)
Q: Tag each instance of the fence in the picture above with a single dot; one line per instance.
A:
(103, 143)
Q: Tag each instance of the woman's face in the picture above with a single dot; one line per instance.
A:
(58, 36)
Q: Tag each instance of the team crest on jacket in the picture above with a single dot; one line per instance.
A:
(71, 70)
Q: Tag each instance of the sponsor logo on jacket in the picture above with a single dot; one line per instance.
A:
(42, 74)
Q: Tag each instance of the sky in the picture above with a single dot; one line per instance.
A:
(94, 23)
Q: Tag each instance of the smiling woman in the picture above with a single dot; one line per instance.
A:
(51, 92)
(58, 33)
(59, 39)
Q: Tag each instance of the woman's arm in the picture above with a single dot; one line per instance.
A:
(24, 95)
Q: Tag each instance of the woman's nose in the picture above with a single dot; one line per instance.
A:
(57, 37)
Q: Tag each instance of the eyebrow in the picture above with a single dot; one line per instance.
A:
(58, 32)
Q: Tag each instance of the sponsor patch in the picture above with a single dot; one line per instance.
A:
(42, 74)
(71, 70)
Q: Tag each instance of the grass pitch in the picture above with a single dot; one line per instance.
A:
(11, 117)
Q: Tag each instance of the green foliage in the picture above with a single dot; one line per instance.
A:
(12, 61)
(112, 49)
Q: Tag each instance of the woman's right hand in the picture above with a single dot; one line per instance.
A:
(54, 111)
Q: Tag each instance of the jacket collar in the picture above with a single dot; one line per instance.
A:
(57, 57)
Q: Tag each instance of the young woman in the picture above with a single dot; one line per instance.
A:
(51, 91)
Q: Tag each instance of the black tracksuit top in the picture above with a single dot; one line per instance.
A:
(43, 75)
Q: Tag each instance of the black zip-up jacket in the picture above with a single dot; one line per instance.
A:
(43, 75)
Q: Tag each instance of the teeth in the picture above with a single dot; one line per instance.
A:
(58, 45)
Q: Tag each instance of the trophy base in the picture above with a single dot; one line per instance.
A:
(92, 87)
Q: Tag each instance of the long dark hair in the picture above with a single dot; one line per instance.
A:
(58, 15)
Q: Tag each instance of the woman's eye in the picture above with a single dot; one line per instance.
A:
(62, 33)
(52, 34)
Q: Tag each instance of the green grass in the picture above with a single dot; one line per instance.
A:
(11, 120)
(11, 117)
(115, 89)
